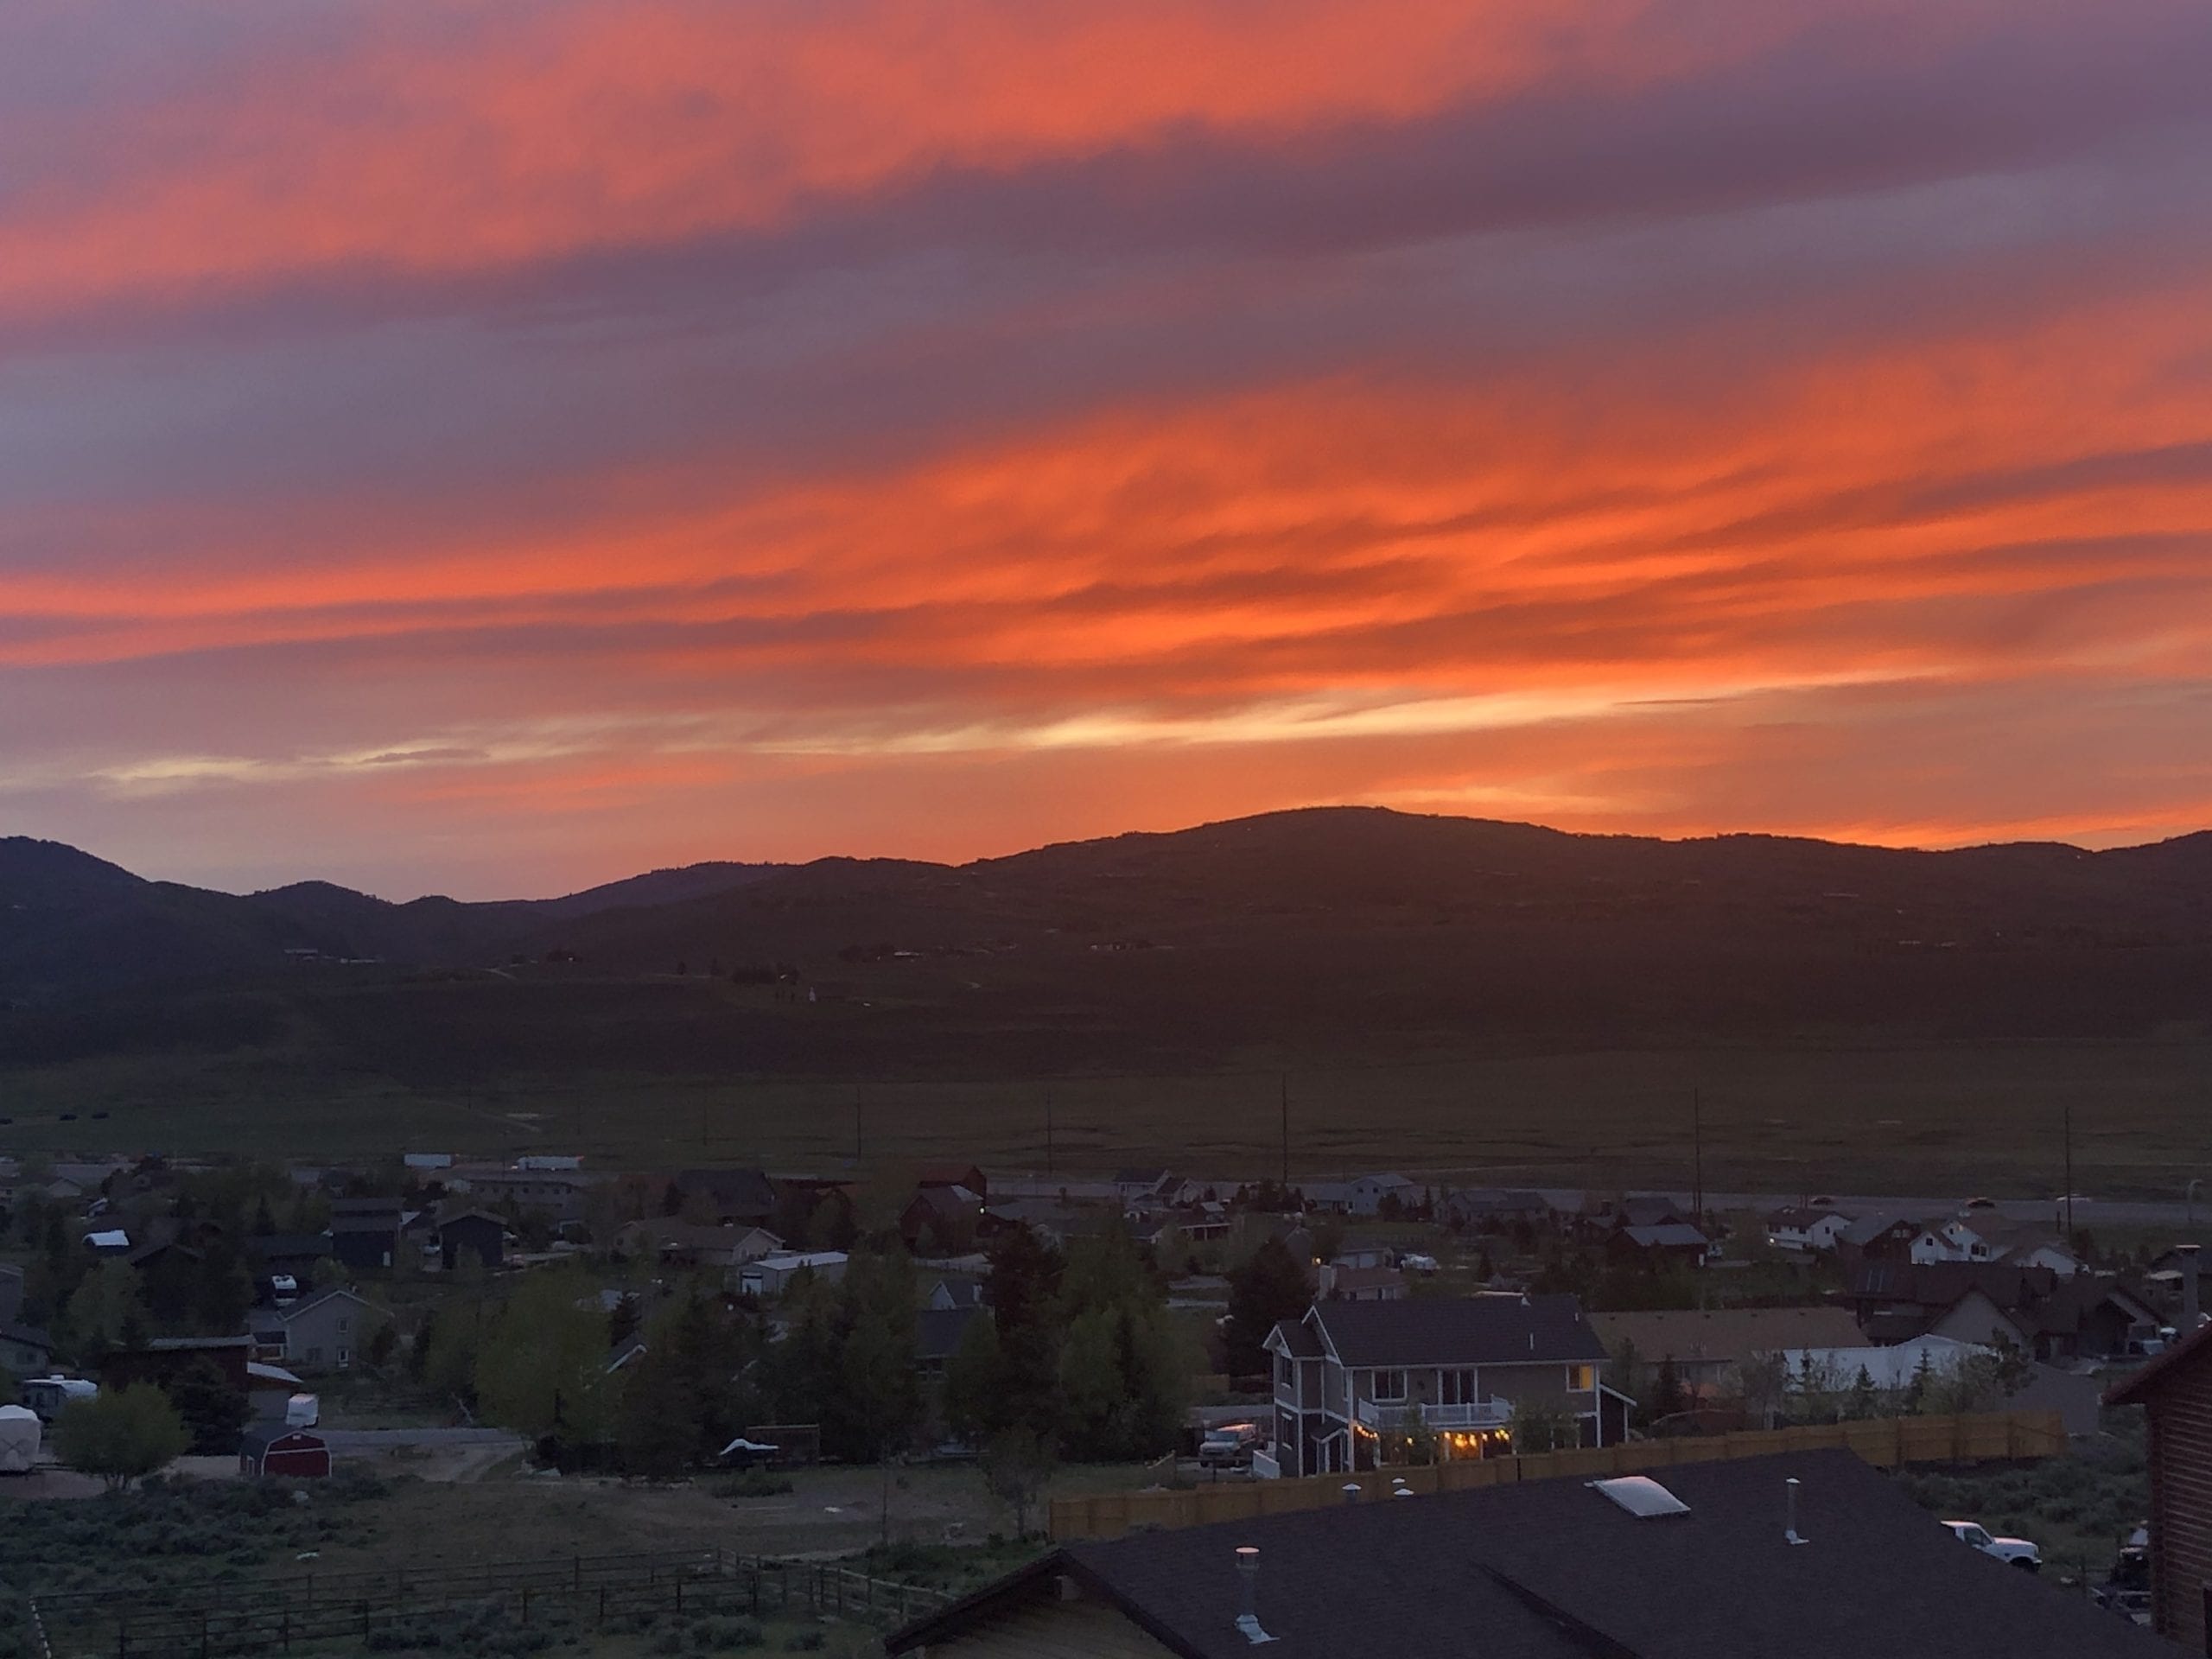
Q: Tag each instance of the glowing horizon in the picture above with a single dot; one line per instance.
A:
(493, 450)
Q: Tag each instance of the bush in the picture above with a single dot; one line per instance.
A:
(805, 1642)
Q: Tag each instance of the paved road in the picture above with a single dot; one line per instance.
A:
(367, 1442)
(2088, 1212)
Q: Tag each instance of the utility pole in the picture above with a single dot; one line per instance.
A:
(856, 1126)
(1282, 1085)
(2067, 1132)
(1697, 1158)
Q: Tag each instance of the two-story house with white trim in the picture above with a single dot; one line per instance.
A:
(1348, 1375)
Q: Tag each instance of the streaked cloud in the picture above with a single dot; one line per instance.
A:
(496, 447)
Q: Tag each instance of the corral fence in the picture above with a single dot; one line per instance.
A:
(1886, 1442)
(317, 1609)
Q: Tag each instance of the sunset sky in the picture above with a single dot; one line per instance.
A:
(494, 449)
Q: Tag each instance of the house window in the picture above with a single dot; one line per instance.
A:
(1391, 1385)
(1283, 1373)
(345, 1355)
(1581, 1379)
(345, 1325)
(1457, 1388)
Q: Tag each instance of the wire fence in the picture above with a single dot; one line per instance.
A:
(386, 1607)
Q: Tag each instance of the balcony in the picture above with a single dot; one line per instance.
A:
(1475, 1415)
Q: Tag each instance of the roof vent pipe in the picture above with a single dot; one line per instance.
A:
(1248, 1576)
(1351, 1491)
(1790, 1530)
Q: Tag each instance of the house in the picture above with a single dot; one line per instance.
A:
(294, 1255)
(277, 1451)
(162, 1360)
(943, 1292)
(559, 1194)
(25, 1349)
(1366, 1195)
(1952, 1242)
(423, 1162)
(108, 1241)
(1799, 1227)
(1811, 1555)
(1709, 1346)
(1347, 1372)
(1996, 1304)
(938, 1331)
(365, 1232)
(2175, 1391)
(1642, 1210)
(1879, 1237)
(1491, 1209)
(11, 1292)
(469, 1233)
(1340, 1283)
(1669, 1240)
(941, 1218)
(772, 1274)
(744, 1197)
(1143, 1186)
(967, 1175)
(1891, 1369)
(1358, 1252)
(327, 1332)
(694, 1244)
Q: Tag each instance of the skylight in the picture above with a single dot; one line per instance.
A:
(1641, 1495)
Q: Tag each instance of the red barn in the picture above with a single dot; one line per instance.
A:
(283, 1452)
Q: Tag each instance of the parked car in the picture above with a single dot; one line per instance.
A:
(1229, 1447)
(2016, 1552)
(1973, 1204)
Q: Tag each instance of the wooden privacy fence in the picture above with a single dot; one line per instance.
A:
(308, 1609)
(1886, 1442)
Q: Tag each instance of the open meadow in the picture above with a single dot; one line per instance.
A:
(652, 1074)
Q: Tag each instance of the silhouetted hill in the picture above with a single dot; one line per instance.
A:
(1356, 929)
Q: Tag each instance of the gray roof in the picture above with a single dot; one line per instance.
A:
(1668, 1236)
(1552, 1569)
(1462, 1331)
(1298, 1339)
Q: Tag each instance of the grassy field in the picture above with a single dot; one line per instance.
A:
(647, 1075)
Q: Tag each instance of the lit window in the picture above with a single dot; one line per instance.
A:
(1390, 1385)
(1581, 1379)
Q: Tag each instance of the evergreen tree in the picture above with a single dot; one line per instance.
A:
(1270, 1287)
(214, 1414)
(1668, 1396)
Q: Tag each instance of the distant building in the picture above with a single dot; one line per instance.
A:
(772, 1276)
(278, 1451)
(1710, 1347)
(1349, 1373)
(731, 1197)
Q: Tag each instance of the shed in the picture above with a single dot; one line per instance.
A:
(276, 1449)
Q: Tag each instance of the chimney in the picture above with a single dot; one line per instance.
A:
(1790, 1530)
(1248, 1575)
(2191, 1311)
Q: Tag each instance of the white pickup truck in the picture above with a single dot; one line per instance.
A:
(2016, 1552)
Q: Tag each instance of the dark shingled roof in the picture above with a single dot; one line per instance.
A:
(1298, 1340)
(1554, 1570)
(1460, 1330)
